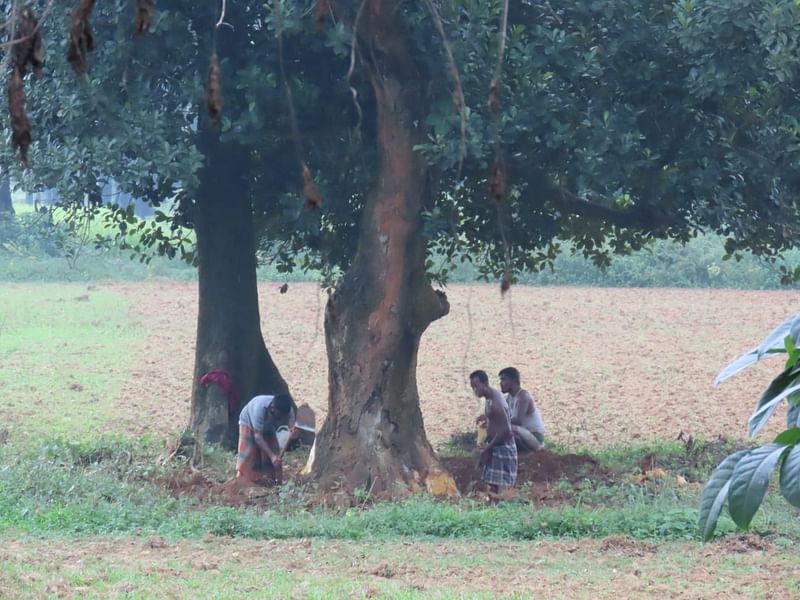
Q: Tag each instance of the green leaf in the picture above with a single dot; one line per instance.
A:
(794, 329)
(789, 437)
(715, 493)
(770, 400)
(788, 376)
(737, 365)
(790, 476)
(793, 415)
(792, 351)
(775, 340)
(772, 344)
(750, 480)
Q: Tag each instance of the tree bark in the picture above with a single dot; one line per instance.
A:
(6, 205)
(228, 321)
(374, 436)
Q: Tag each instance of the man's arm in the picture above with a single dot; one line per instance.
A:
(499, 418)
(262, 443)
(529, 400)
(525, 408)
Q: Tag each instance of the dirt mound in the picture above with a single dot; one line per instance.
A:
(540, 467)
(539, 470)
(234, 492)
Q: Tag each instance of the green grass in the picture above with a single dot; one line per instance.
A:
(173, 579)
(693, 461)
(102, 487)
(224, 568)
(61, 375)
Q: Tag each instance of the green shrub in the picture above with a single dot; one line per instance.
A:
(698, 264)
(35, 247)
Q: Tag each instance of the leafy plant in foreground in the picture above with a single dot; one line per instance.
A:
(741, 479)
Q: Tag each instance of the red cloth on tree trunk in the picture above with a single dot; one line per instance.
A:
(225, 382)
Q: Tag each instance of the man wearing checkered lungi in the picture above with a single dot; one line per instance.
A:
(499, 453)
(259, 451)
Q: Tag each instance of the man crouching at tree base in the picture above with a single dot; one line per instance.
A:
(499, 453)
(259, 450)
(526, 420)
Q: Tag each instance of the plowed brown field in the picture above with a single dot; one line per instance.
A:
(605, 365)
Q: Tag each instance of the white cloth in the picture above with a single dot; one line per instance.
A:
(531, 422)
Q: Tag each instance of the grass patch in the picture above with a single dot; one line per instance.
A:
(60, 375)
(183, 579)
(223, 568)
(102, 487)
(459, 444)
(693, 460)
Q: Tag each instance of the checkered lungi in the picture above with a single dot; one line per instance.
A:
(252, 463)
(501, 467)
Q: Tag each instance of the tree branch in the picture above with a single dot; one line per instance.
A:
(638, 216)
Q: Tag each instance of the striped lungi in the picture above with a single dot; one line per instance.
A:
(248, 461)
(501, 467)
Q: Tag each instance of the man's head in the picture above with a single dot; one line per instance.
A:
(281, 405)
(479, 382)
(509, 380)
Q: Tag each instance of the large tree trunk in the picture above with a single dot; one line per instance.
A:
(6, 205)
(228, 321)
(373, 436)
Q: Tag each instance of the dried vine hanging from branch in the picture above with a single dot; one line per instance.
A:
(497, 179)
(458, 92)
(497, 182)
(494, 85)
(81, 38)
(214, 80)
(20, 126)
(311, 193)
(27, 51)
(214, 90)
(310, 190)
(322, 10)
(498, 186)
(144, 16)
(351, 69)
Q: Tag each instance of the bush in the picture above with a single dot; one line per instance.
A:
(31, 235)
(698, 264)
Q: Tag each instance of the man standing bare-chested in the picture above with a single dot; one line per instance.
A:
(499, 454)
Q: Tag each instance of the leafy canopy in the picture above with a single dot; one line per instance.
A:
(617, 123)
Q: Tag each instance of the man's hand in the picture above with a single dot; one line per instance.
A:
(277, 465)
(480, 419)
(484, 454)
